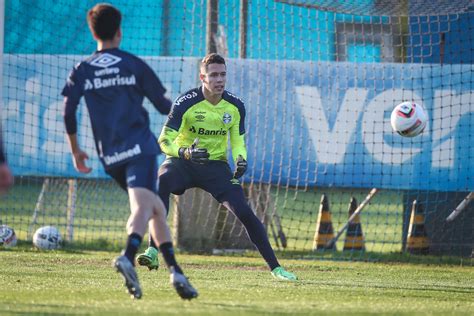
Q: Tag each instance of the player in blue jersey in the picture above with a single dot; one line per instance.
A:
(213, 116)
(6, 177)
(114, 84)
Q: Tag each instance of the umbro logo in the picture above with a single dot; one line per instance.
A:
(200, 118)
(105, 60)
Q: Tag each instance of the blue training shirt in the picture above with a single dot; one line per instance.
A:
(114, 83)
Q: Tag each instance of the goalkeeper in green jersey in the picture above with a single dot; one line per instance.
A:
(195, 139)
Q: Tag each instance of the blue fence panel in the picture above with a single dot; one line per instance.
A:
(308, 124)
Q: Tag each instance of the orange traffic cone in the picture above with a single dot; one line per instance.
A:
(324, 230)
(354, 237)
(417, 240)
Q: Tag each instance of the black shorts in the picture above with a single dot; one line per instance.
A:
(137, 173)
(214, 177)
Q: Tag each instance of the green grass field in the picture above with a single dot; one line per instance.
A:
(76, 281)
(83, 283)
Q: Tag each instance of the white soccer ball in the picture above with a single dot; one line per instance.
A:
(408, 119)
(7, 236)
(47, 238)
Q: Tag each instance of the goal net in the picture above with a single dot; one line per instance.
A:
(319, 80)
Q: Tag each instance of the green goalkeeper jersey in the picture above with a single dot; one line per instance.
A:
(192, 116)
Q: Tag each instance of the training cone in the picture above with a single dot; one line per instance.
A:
(417, 240)
(324, 230)
(354, 237)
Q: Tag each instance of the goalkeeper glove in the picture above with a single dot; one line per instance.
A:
(240, 167)
(193, 154)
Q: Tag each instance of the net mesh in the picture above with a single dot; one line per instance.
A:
(388, 7)
(319, 80)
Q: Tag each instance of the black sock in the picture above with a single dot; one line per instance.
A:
(235, 201)
(168, 255)
(133, 243)
(151, 242)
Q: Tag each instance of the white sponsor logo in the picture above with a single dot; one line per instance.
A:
(117, 157)
(105, 60)
(88, 85)
(99, 83)
(331, 143)
(107, 71)
(186, 97)
(233, 95)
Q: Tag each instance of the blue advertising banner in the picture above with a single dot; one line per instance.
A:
(321, 123)
(328, 123)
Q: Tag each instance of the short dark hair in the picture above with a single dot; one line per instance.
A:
(212, 58)
(104, 21)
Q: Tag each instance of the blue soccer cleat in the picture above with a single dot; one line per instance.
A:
(126, 269)
(182, 286)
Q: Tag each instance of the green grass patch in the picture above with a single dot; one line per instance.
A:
(83, 282)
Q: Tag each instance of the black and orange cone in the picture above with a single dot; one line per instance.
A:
(324, 230)
(417, 240)
(354, 236)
